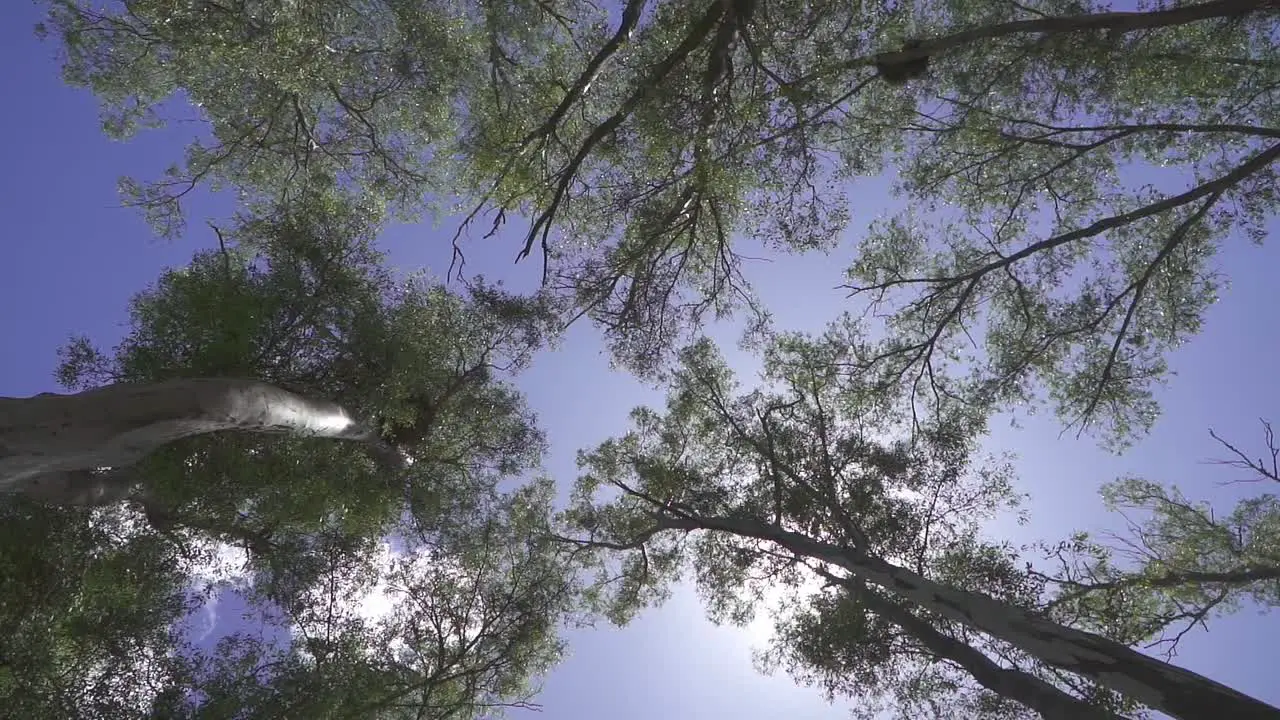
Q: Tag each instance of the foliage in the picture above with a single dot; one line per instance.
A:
(1180, 562)
(471, 622)
(297, 93)
(1069, 173)
(1071, 192)
(819, 463)
(89, 611)
(297, 295)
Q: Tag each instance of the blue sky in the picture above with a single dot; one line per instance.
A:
(70, 259)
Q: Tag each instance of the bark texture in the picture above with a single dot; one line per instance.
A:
(58, 448)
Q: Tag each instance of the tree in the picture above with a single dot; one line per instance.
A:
(297, 298)
(79, 449)
(473, 620)
(1180, 563)
(89, 612)
(817, 478)
(643, 147)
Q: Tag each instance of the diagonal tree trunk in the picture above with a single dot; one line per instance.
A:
(1051, 702)
(1159, 685)
(54, 446)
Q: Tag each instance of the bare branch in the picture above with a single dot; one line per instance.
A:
(1265, 469)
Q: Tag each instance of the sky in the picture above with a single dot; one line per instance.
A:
(71, 257)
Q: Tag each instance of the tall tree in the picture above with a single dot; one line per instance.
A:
(816, 478)
(80, 449)
(643, 143)
(298, 298)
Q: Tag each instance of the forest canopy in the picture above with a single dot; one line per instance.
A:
(291, 420)
(641, 149)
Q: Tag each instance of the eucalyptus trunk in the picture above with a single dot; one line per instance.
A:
(1051, 702)
(1170, 689)
(77, 449)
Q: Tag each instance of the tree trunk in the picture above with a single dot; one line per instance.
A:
(51, 445)
(1051, 702)
(1159, 685)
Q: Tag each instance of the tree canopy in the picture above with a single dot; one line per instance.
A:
(1064, 178)
(1181, 562)
(1068, 171)
(298, 296)
(893, 595)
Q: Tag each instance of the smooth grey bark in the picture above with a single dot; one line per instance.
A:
(1173, 690)
(76, 449)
